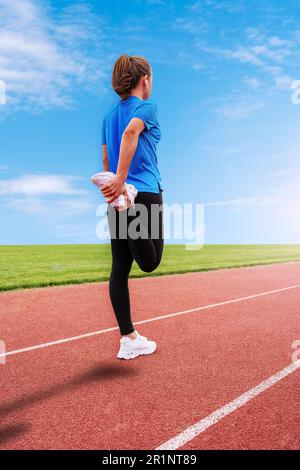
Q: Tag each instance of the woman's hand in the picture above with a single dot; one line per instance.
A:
(112, 190)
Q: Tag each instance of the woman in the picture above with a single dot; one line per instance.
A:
(130, 134)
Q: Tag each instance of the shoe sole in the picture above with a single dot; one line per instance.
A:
(134, 354)
(101, 180)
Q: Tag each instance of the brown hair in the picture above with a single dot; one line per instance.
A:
(127, 72)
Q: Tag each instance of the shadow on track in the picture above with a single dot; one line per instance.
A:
(95, 374)
(7, 433)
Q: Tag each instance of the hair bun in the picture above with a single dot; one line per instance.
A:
(127, 72)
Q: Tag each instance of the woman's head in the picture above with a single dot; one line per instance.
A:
(132, 73)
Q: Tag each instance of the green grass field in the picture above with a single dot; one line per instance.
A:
(46, 265)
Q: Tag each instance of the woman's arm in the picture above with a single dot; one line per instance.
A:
(128, 147)
(105, 157)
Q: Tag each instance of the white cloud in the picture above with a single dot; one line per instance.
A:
(283, 82)
(43, 57)
(189, 25)
(76, 232)
(267, 52)
(253, 83)
(278, 42)
(198, 66)
(254, 34)
(244, 55)
(53, 197)
(263, 54)
(243, 203)
(56, 209)
(228, 6)
(195, 7)
(272, 58)
(240, 109)
(268, 57)
(37, 185)
(281, 199)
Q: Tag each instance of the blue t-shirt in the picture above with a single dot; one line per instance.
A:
(143, 171)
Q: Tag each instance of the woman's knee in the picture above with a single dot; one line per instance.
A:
(148, 267)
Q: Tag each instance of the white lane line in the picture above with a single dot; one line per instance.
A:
(202, 425)
(161, 317)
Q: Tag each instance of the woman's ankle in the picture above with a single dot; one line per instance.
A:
(132, 335)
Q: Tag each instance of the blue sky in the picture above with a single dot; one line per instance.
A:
(222, 83)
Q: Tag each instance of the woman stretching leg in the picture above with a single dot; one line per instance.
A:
(130, 134)
(147, 252)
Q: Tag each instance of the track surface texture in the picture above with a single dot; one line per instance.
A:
(222, 337)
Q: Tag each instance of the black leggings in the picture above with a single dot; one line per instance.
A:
(126, 246)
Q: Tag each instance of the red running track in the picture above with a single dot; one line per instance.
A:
(77, 395)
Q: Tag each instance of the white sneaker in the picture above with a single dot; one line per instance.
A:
(131, 348)
(122, 202)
